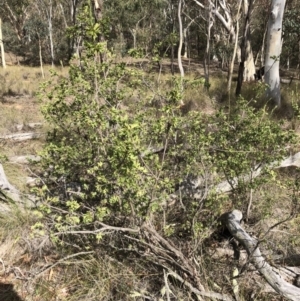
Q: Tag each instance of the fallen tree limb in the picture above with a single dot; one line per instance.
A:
(21, 136)
(194, 290)
(24, 159)
(232, 221)
(30, 125)
(198, 190)
(4, 184)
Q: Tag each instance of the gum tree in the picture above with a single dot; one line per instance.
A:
(273, 50)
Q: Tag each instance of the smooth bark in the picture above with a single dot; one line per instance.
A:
(2, 47)
(273, 51)
(230, 70)
(232, 221)
(20, 136)
(246, 66)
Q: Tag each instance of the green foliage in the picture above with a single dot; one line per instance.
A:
(100, 159)
(110, 159)
(123, 154)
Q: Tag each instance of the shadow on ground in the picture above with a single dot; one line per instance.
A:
(7, 293)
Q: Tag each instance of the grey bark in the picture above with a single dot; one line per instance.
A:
(7, 189)
(2, 47)
(271, 275)
(180, 39)
(199, 187)
(180, 48)
(230, 69)
(24, 159)
(21, 136)
(273, 51)
(210, 22)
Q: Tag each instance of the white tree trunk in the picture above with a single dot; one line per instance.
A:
(180, 39)
(230, 69)
(249, 67)
(50, 28)
(210, 22)
(2, 46)
(180, 48)
(273, 50)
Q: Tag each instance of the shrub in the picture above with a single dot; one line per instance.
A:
(114, 167)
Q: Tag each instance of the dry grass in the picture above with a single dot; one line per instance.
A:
(23, 80)
(19, 108)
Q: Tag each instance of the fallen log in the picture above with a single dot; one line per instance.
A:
(30, 125)
(199, 189)
(21, 136)
(9, 192)
(232, 221)
(24, 159)
(4, 184)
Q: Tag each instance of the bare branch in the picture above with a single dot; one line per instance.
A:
(103, 229)
(194, 290)
(61, 261)
(232, 221)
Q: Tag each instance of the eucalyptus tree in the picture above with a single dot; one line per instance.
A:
(246, 66)
(69, 10)
(273, 50)
(2, 47)
(291, 36)
(46, 7)
(137, 24)
(225, 11)
(16, 12)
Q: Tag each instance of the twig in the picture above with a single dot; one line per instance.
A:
(249, 205)
(105, 227)
(194, 290)
(37, 275)
(167, 286)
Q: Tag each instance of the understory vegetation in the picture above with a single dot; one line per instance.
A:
(132, 180)
(134, 176)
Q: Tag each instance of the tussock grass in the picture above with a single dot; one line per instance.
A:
(24, 80)
(93, 278)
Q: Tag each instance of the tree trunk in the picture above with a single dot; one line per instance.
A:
(50, 28)
(207, 50)
(230, 69)
(246, 67)
(41, 58)
(2, 47)
(249, 67)
(98, 7)
(180, 48)
(180, 40)
(273, 51)
(185, 43)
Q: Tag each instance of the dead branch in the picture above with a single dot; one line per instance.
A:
(194, 290)
(24, 159)
(61, 261)
(101, 230)
(197, 190)
(272, 276)
(21, 136)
